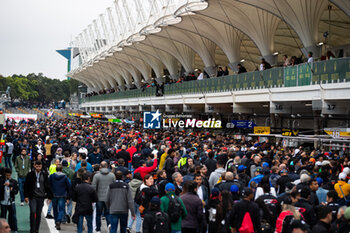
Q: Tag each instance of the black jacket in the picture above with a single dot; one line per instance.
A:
(84, 195)
(307, 210)
(149, 221)
(169, 167)
(237, 214)
(13, 192)
(124, 155)
(30, 184)
(321, 227)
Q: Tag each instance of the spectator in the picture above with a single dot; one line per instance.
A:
(60, 185)
(4, 226)
(8, 152)
(101, 182)
(156, 220)
(241, 210)
(8, 191)
(36, 189)
(176, 210)
(143, 170)
(215, 176)
(286, 61)
(264, 65)
(135, 184)
(22, 166)
(241, 69)
(310, 58)
(84, 195)
(194, 208)
(325, 219)
(123, 154)
(177, 180)
(201, 75)
(119, 202)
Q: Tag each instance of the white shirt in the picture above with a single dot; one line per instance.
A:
(311, 59)
(200, 76)
(259, 192)
(261, 67)
(200, 193)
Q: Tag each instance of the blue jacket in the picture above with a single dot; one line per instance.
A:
(95, 158)
(89, 167)
(60, 184)
(257, 179)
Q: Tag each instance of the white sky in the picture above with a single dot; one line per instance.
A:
(32, 30)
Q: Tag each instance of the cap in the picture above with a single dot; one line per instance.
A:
(241, 168)
(347, 213)
(299, 224)
(346, 170)
(83, 151)
(319, 180)
(258, 169)
(215, 192)
(246, 192)
(155, 200)
(59, 149)
(284, 171)
(234, 188)
(319, 163)
(313, 160)
(265, 164)
(169, 187)
(342, 176)
(64, 163)
(142, 162)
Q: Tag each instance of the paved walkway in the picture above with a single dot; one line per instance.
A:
(47, 225)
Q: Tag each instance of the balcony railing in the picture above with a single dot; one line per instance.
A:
(331, 71)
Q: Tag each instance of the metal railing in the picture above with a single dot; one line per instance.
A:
(331, 71)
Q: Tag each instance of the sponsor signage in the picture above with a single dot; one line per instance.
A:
(263, 130)
(290, 132)
(242, 124)
(21, 117)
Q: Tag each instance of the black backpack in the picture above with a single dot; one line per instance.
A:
(138, 196)
(161, 224)
(174, 209)
(272, 203)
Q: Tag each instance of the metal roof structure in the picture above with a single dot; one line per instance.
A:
(134, 38)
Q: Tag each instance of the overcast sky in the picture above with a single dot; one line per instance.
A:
(32, 30)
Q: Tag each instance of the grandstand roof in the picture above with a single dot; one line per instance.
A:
(133, 38)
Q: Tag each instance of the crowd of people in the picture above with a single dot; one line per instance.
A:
(170, 180)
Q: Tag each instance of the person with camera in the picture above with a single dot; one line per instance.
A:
(8, 191)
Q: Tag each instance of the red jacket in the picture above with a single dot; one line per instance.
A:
(131, 151)
(145, 170)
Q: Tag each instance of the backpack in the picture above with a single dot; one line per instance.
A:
(247, 224)
(174, 209)
(138, 196)
(161, 224)
(271, 203)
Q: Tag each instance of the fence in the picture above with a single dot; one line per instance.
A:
(332, 71)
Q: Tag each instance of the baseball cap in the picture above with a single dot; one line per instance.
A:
(319, 180)
(258, 169)
(155, 200)
(347, 213)
(246, 192)
(234, 188)
(299, 224)
(265, 164)
(313, 160)
(241, 168)
(346, 170)
(169, 187)
(215, 192)
(342, 176)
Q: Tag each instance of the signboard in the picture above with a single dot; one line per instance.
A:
(290, 132)
(338, 132)
(261, 130)
(21, 117)
(243, 124)
(115, 120)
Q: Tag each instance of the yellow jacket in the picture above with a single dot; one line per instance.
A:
(344, 186)
(162, 160)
